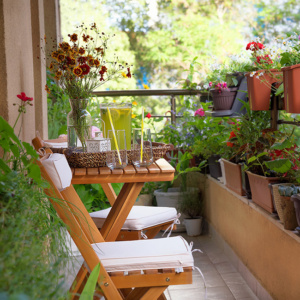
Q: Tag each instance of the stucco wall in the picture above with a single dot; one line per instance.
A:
(270, 252)
(22, 26)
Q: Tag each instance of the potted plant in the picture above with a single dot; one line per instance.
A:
(210, 143)
(192, 207)
(265, 71)
(170, 196)
(264, 168)
(286, 163)
(290, 60)
(241, 132)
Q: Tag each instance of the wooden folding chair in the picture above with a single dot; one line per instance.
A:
(133, 270)
(143, 221)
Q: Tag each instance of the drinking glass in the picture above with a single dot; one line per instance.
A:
(142, 155)
(117, 159)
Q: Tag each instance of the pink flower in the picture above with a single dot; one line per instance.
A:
(210, 84)
(24, 98)
(148, 115)
(200, 112)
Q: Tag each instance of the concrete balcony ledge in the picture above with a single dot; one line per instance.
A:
(256, 242)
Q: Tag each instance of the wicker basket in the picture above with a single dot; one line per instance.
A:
(285, 208)
(95, 160)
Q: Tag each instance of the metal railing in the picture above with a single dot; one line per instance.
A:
(144, 93)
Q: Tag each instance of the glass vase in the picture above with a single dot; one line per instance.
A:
(79, 123)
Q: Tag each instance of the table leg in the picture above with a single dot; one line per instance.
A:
(120, 210)
(109, 192)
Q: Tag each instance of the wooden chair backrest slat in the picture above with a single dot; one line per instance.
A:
(82, 216)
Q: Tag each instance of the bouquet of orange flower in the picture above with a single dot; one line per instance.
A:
(81, 66)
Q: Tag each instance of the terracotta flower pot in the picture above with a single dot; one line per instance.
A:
(233, 175)
(291, 80)
(259, 90)
(223, 100)
(261, 194)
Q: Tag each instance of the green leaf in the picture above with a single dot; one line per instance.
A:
(234, 80)
(4, 166)
(280, 146)
(90, 286)
(280, 90)
(30, 150)
(262, 154)
(252, 159)
(279, 165)
(34, 172)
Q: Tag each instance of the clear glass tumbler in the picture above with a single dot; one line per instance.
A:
(117, 157)
(142, 155)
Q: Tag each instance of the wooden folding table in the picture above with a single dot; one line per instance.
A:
(133, 179)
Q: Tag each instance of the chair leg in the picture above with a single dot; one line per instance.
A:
(151, 233)
(78, 283)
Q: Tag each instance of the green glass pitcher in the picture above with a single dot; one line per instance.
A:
(121, 118)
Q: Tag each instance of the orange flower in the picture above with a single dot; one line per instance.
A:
(81, 51)
(60, 57)
(91, 62)
(77, 71)
(54, 54)
(51, 66)
(97, 62)
(65, 46)
(73, 37)
(47, 89)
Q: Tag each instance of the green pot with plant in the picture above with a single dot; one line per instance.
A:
(290, 60)
(81, 65)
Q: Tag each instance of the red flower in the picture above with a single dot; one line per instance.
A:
(264, 59)
(229, 144)
(82, 59)
(85, 69)
(128, 73)
(232, 135)
(24, 98)
(256, 46)
(148, 115)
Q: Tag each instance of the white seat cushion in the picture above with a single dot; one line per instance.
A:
(173, 252)
(140, 217)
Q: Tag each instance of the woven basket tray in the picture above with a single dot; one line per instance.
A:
(95, 160)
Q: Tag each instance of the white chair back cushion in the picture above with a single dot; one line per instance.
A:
(58, 169)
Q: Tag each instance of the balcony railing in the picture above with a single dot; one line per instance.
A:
(172, 93)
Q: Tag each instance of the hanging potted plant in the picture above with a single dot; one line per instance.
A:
(265, 71)
(290, 60)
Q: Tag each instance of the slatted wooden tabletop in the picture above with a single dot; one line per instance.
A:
(160, 170)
